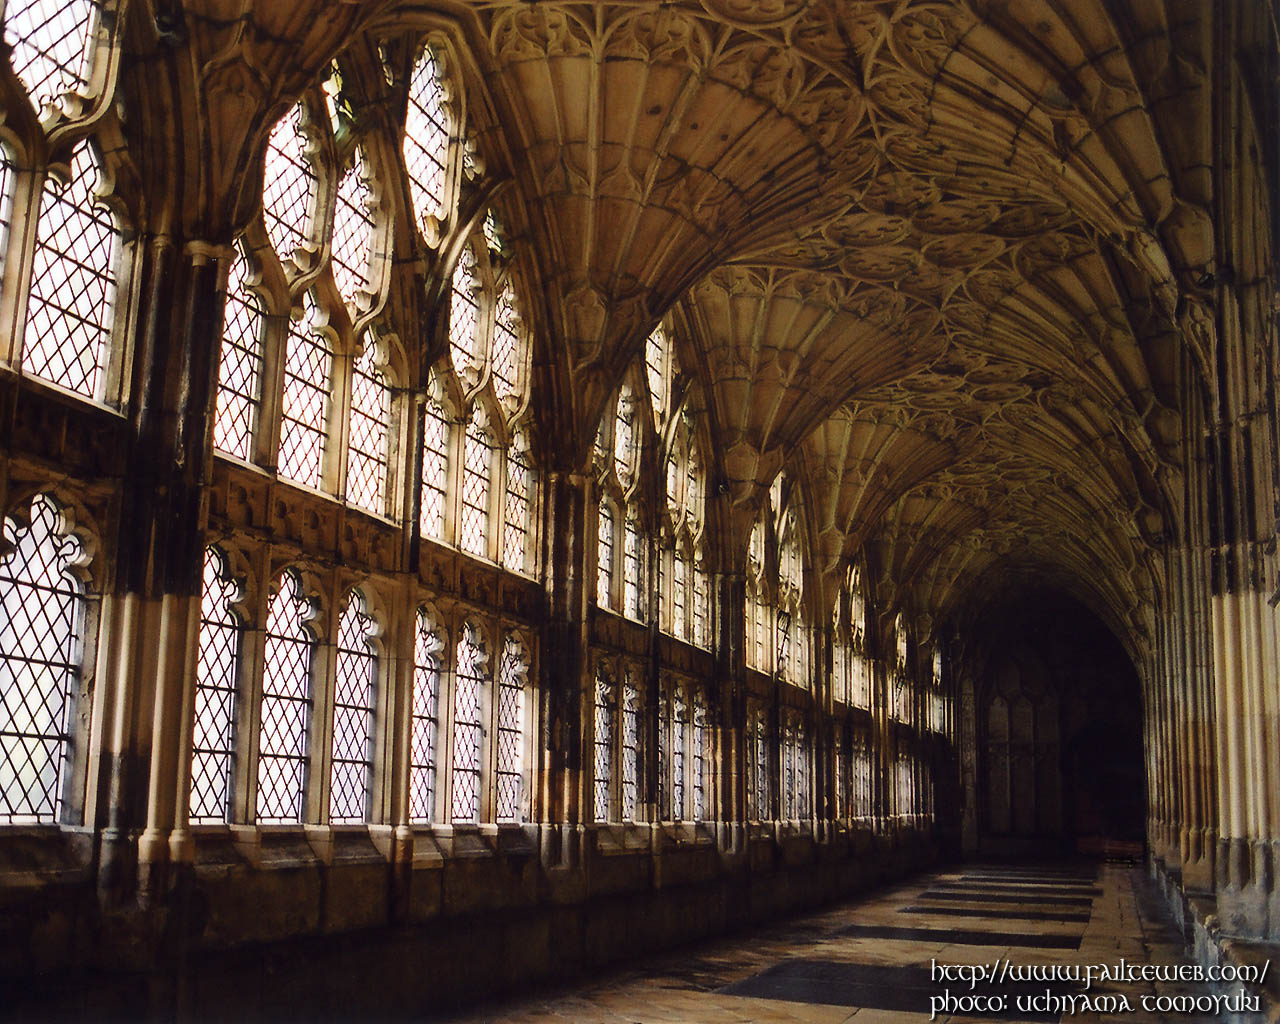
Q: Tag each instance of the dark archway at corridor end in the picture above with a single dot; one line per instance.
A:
(1050, 730)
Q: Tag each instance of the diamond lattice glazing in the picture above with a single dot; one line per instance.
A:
(51, 45)
(367, 446)
(351, 763)
(217, 692)
(43, 611)
(286, 705)
(240, 368)
(72, 280)
(426, 715)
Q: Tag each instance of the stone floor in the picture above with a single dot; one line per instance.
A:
(869, 961)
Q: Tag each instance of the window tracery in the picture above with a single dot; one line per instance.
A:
(43, 603)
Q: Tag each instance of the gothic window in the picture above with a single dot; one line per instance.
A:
(426, 139)
(470, 680)
(862, 776)
(307, 376)
(288, 185)
(624, 438)
(506, 347)
(511, 699)
(217, 693)
(630, 746)
(351, 767)
(515, 529)
(655, 364)
(795, 769)
(679, 597)
(286, 705)
(240, 367)
(367, 443)
(72, 280)
(700, 774)
(788, 770)
(353, 228)
(6, 201)
(604, 710)
(758, 795)
(664, 756)
(40, 641)
(477, 469)
(679, 723)
(632, 566)
(51, 44)
(464, 314)
(604, 554)
(426, 717)
(435, 468)
(701, 608)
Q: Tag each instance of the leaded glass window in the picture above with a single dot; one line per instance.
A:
(470, 678)
(426, 138)
(288, 184)
(51, 45)
(510, 769)
(240, 366)
(353, 232)
(789, 780)
(679, 722)
(477, 463)
(506, 346)
(624, 438)
(655, 351)
(632, 564)
(370, 419)
(426, 717)
(630, 747)
(701, 608)
(286, 705)
(72, 280)
(603, 739)
(217, 694)
(699, 757)
(664, 757)
(516, 509)
(6, 201)
(308, 372)
(679, 598)
(351, 766)
(464, 313)
(604, 555)
(435, 469)
(39, 662)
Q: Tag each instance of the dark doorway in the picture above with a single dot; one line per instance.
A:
(1056, 728)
